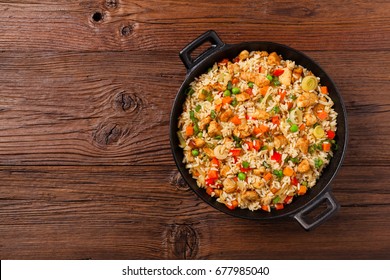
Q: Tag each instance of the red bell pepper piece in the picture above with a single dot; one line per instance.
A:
(276, 157)
(278, 72)
(235, 152)
(331, 134)
(294, 181)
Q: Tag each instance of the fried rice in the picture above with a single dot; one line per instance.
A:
(256, 131)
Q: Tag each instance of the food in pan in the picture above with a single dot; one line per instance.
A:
(257, 131)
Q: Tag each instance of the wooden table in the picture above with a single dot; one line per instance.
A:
(86, 89)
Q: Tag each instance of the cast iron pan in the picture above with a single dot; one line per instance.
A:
(318, 196)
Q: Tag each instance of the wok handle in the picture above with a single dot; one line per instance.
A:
(332, 206)
(209, 36)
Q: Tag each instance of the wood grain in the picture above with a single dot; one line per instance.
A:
(115, 108)
(170, 24)
(86, 89)
(85, 212)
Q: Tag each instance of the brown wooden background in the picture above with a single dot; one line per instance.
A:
(86, 170)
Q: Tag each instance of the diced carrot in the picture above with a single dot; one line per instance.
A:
(302, 127)
(264, 128)
(282, 95)
(250, 145)
(302, 190)
(235, 81)
(215, 162)
(212, 174)
(209, 190)
(324, 90)
(267, 176)
(288, 171)
(257, 145)
(235, 120)
(279, 206)
(257, 130)
(196, 173)
(263, 90)
(235, 152)
(189, 130)
(322, 115)
(326, 146)
(233, 205)
(218, 107)
(266, 208)
(274, 190)
(275, 120)
(227, 100)
(289, 105)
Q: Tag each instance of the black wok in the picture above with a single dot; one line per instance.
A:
(319, 195)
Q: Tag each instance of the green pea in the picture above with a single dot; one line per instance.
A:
(227, 93)
(200, 134)
(195, 152)
(245, 164)
(234, 102)
(197, 108)
(250, 84)
(241, 176)
(236, 90)
(269, 77)
(213, 114)
(229, 85)
(294, 128)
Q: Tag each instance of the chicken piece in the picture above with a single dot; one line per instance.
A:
(303, 145)
(285, 78)
(250, 195)
(243, 96)
(225, 116)
(273, 59)
(219, 87)
(261, 115)
(248, 76)
(280, 141)
(233, 68)
(261, 81)
(214, 129)
(224, 170)
(304, 166)
(202, 95)
(242, 131)
(199, 143)
(229, 185)
(258, 184)
(318, 108)
(310, 119)
(203, 123)
(297, 73)
(267, 199)
(189, 156)
(209, 152)
(259, 171)
(243, 55)
(307, 99)
(217, 192)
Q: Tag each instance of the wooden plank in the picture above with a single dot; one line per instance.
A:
(170, 25)
(113, 108)
(148, 213)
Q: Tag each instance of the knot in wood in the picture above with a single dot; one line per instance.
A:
(178, 181)
(106, 134)
(182, 242)
(128, 102)
(127, 30)
(111, 4)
